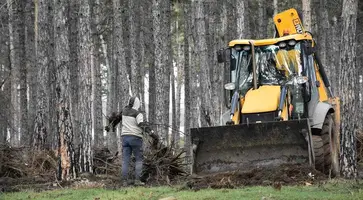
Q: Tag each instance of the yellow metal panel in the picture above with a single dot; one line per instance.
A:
(237, 115)
(270, 41)
(323, 94)
(264, 99)
(288, 22)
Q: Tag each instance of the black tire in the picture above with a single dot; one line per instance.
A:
(331, 147)
(318, 152)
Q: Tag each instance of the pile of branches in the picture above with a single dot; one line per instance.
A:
(104, 162)
(163, 164)
(22, 165)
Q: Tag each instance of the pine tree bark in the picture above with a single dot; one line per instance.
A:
(32, 68)
(162, 78)
(15, 70)
(306, 7)
(348, 82)
(43, 41)
(53, 136)
(62, 64)
(123, 80)
(84, 63)
(96, 75)
(135, 47)
(187, 84)
(75, 90)
(241, 13)
(5, 83)
(205, 82)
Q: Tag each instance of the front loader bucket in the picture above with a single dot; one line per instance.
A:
(247, 146)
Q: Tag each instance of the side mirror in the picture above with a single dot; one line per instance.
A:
(223, 55)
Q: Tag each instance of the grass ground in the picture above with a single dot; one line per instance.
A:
(331, 190)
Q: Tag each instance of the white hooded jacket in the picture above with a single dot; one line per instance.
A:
(131, 118)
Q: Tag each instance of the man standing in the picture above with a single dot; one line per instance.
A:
(132, 139)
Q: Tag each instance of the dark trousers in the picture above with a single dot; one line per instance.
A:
(131, 144)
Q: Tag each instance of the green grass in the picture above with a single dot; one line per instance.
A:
(332, 190)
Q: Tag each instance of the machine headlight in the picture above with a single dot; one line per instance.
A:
(282, 44)
(292, 42)
(238, 47)
(246, 48)
(230, 86)
(301, 79)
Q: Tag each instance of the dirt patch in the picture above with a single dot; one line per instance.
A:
(283, 175)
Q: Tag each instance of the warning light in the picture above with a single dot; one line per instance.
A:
(286, 32)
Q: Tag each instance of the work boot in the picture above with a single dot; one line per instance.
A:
(139, 183)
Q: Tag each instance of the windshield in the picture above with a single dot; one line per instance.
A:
(273, 65)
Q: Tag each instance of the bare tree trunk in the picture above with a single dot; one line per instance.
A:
(307, 14)
(135, 47)
(43, 41)
(73, 32)
(15, 70)
(120, 59)
(324, 33)
(96, 76)
(53, 133)
(187, 84)
(62, 63)
(206, 107)
(32, 68)
(348, 82)
(241, 13)
(24, 132)
(162, 78)
(5, 76)
(334, 53)
(84, 63)
(262, 19)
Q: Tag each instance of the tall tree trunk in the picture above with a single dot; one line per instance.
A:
(187, 84)
(262, 19)
(62, 64)
(306, 12)
(74, 37)
(84, 63)
(241, 13)
(123, 80)
(323, 26)
(96, 75)
(5, 75)
(162, 72)
(150, 52)
(24, 132)
(112, 80)
(43, 41)
(53, 134)
(348, 82)
(32, 68)
(205, 106)
(135, 47)
(15, 70)
(334, 53)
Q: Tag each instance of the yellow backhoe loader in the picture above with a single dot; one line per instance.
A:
(281, 107)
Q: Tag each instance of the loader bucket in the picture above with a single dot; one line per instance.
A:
(247, 146)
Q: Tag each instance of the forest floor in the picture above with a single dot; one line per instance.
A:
(333, 189)
(34, 175)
